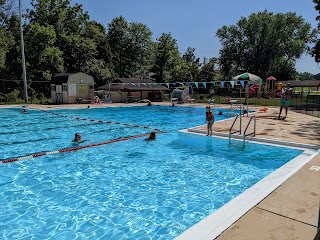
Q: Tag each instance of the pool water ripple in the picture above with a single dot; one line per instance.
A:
(126, 190)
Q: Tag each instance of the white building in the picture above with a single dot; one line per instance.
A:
(71, 87)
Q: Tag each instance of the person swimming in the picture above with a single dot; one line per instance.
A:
(78, 138)
(151, 137)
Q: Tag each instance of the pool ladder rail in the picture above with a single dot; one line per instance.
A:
(245, 134)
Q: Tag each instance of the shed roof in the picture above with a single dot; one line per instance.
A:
(133, 85)
(132, 80)
(60, 78)
(305, 83)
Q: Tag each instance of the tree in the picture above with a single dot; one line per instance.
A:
(316, 49)
(6, 37)
(45, 59)
(118, 35)
(81, 44)
(166, 58)
(130, 45)
(306, 76)
(192, 64)
(262, 43)
(208, 70)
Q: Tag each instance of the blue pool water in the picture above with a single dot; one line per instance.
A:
(132, 189)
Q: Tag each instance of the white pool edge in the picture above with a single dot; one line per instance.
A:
(212, 226)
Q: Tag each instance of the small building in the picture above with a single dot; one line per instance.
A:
(70, 87)
(131, 90)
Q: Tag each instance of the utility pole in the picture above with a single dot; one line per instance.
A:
(23, 57)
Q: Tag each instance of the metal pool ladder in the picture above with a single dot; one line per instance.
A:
(245, 134)
(238, 131)
(254, 129)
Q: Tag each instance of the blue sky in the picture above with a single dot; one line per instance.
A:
(194, 22)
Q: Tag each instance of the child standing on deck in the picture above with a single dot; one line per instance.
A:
(209, 119)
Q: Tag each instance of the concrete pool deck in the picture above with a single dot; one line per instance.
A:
(291, 211)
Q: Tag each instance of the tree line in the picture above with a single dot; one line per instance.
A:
(60, 37)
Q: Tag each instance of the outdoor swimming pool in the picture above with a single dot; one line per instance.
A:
(131, 189)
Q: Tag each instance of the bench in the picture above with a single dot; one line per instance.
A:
(84, 101)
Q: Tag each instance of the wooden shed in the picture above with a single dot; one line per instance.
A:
(70, 87)
(129, 89)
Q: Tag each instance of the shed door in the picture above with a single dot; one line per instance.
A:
(58, 88)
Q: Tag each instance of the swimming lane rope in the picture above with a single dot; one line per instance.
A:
(99, 121)
(35, 155)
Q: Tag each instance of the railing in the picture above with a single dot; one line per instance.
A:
(190, 100)
(238, 131)
(254, 129)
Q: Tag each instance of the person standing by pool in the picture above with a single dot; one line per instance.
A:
(209, 119)
(285, 100)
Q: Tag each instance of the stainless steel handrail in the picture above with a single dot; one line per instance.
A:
(239, 131)
(254, 129)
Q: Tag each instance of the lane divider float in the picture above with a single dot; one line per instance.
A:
(35, 155)
(99, 121)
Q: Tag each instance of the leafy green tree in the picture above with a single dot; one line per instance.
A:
(317, 76)
(119, 40)
(285, 69)
(262, 43)
(209, 70)
(82, 44)
(100, 65)
(10, 51)
(45, 59)
(192, 64)
(6, 37)
(60, 14)
(316, 49)
(167, 58)
(141, 49)
(131, 46)
(306, 76)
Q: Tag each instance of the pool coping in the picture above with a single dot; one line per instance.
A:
(216, 223)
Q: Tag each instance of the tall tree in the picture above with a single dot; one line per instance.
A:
(6, 37)
(209, 70)
(45, 59)
(130, 45)
(83, 43)
(316, 49)
(119, 41)
(141, 49)
(193, 64)
(167, 58)
(262, 43)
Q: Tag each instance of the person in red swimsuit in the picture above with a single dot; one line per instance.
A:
(209, 119)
